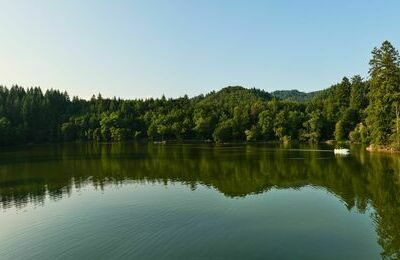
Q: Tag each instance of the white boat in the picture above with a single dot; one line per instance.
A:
(343, 151)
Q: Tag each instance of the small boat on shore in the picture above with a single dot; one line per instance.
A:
(342, 151)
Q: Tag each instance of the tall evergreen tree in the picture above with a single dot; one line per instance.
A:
(384, 93)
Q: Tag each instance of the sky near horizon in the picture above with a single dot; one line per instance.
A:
(132, 49)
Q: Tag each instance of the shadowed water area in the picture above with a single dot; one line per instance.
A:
(183, 201)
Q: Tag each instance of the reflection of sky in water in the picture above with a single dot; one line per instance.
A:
(139, 220)
(198, 200)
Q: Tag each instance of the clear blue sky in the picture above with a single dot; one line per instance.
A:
(146, 48)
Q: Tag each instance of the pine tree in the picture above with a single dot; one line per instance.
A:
(383, 95)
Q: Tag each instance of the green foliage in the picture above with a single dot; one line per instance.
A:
(340, 132)
(68, 131)
(358, 95)
(359, 134)
(384, 92)
(5, 131)
(266, 124)
(253, 134)
(313, 127)
(346, 124)
(357, 109)
(294, 95)
(224, 131)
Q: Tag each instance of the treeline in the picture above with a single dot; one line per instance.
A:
(365, 111)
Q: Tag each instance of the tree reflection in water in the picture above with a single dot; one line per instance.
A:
(29, 175)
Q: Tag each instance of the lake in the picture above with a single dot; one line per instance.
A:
(198, 201)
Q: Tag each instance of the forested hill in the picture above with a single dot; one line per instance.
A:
(240, 96)
(294, 95)
(237, 94)
(356, 109)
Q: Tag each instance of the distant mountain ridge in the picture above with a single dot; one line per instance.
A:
(242, 94)
(295, 95)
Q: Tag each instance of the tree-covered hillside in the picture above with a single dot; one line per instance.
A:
(356, 109)
(294, 95)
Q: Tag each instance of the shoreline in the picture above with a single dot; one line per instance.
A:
(370, 148)
(381, 149)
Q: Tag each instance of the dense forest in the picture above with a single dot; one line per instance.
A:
(294, 95)
(355, 109)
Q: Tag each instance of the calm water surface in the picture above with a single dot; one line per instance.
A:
(193, 201)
